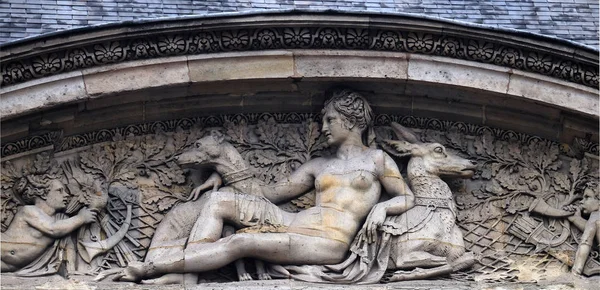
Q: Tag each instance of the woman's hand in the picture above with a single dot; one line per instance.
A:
(213, 181)
(375, 219)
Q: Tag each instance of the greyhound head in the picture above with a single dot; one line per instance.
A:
(206, 151)
(428, 159)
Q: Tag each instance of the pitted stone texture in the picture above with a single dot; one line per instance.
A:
(137, 75)
(43, 93)
(239, 66)
(567, 19)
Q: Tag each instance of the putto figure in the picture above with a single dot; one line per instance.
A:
(37, 226)
(591, 227)
(348, 187)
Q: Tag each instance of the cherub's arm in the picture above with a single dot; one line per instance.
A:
(57, 229)
(585, 246)
(577, 220)
(393, 183)
(299, 182)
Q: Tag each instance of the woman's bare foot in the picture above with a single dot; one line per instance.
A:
(166, 279)
(134, 272)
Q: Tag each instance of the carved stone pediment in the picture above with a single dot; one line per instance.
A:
(514, 213)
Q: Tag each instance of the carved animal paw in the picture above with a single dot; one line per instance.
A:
(244, 277)
(264, 276)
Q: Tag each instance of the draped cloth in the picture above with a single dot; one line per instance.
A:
(50, 261)
(367, 263)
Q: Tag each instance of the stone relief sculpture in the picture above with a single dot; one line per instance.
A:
(137, 201)
(32, 242)
(427, 235)
(348, 187)
(590, 228)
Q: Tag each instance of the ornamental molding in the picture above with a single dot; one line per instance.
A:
(92, 47)
(62, 143)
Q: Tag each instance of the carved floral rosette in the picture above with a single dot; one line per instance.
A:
(136, 166)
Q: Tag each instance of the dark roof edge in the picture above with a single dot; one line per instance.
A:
(99, 27)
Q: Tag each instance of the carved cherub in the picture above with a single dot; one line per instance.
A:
(35, 226)
(590, 228)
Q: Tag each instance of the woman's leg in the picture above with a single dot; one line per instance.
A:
(279, 248)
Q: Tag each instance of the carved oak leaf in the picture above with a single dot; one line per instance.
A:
(495, 188)
(169, 173)
(41, 163)
(9, 175)
(519, 203)
(576, 169)
(550, 160)
(180, 140)
(561, 182)
(495, 168)
(235, 132)
(92, 162)
(166, 202)
(305, 201)
(313, 133)
(484, 145)
(262, 158)
(456, 140)
(506, 180)
(153, 144)
(486, 171)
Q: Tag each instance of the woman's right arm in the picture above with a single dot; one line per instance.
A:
(299, 182)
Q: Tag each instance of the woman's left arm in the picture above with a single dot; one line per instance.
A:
(393, 183)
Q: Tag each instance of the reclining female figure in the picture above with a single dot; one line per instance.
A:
(348, 188)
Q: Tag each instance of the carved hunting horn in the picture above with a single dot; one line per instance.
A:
(89, 250)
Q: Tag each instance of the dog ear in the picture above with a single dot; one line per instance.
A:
(405, 134)
(217, 135)
(399, 148)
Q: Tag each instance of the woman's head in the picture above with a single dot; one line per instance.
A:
(347, 112)
(353, 107)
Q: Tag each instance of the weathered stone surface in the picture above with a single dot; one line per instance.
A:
(240, 66)
(41, 94)
(342, 64)
(542, 89)
(438, 70)
(136, 75)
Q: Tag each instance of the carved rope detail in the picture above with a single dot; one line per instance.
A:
(18, 70)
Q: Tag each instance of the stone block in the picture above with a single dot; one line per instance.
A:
(136, 75)
(237, 66)
(569, 96)
(458, 73)
(40, 94)
(349, 64)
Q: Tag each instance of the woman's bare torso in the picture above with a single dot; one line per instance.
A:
(346, 190)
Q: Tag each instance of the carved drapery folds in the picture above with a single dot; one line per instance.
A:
(515, 213)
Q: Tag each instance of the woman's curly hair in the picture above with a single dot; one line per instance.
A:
(355, 109)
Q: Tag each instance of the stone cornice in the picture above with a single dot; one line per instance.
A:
(85, 48)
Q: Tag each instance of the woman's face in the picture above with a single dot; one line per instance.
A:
(333, 126)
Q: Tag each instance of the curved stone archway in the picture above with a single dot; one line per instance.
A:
(422, 65)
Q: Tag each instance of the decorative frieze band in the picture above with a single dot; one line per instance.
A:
(480, 47)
